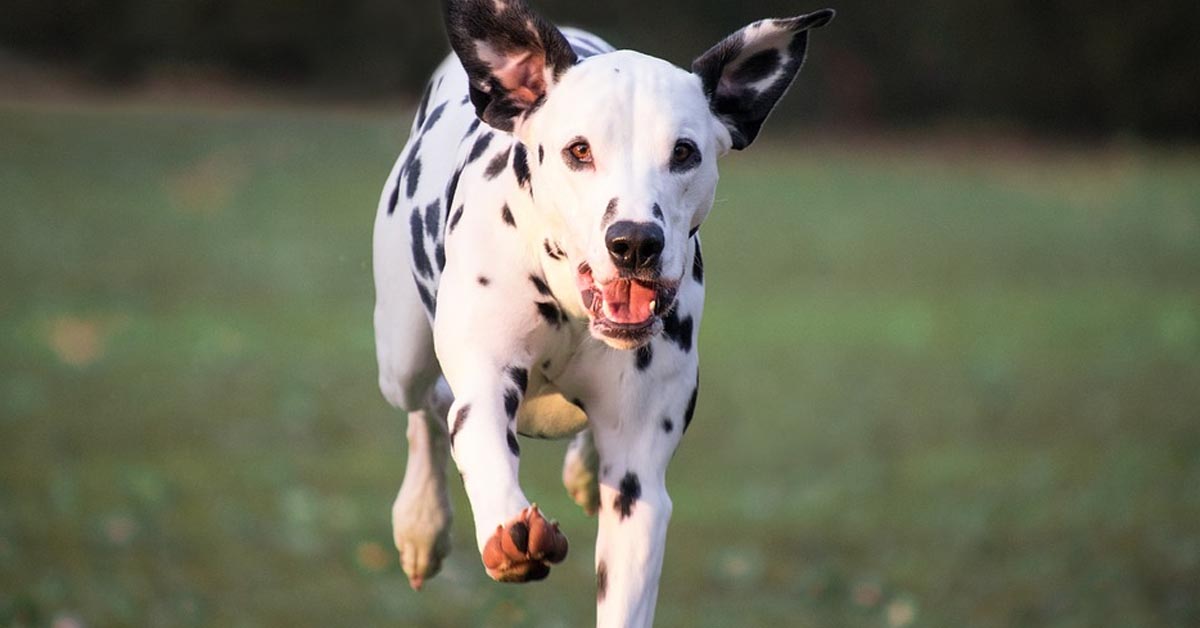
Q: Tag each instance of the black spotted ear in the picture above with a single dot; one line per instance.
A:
(512, 55)
(747, 73)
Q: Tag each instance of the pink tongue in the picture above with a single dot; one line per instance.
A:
(628, 302)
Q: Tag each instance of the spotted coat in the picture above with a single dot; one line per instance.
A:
(500, 294)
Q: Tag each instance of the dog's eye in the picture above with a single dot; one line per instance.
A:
(685, 156)
(581, 151)
(683, 152)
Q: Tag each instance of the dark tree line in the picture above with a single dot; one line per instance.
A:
(1080, 67)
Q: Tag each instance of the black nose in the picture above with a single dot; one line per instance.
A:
(634, 245)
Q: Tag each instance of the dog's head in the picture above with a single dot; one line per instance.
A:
(623, 147)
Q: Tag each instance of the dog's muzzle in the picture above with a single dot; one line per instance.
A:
(627, 311)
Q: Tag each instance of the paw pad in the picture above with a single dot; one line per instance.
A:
(523, 549)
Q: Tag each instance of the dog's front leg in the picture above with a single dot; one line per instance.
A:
(635, 434)
(486, 360)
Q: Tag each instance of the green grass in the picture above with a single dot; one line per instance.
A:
(942, 386)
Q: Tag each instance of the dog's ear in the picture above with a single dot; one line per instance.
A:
(512, 55)
(749, 71)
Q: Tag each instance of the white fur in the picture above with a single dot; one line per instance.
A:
(633, 109)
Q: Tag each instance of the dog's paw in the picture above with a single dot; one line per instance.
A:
(421, 530)
(582, 485)
(579, 474)
(523, 549)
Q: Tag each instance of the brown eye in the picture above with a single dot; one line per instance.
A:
(685, 156)
(581, 151)
(683, 152)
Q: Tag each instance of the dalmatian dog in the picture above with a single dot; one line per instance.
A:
(538, 272)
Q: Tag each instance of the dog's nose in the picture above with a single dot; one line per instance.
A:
(634, 245)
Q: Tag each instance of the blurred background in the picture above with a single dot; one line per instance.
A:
(951, 368)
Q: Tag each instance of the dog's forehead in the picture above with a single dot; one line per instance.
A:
(631, 61)
(623, 82)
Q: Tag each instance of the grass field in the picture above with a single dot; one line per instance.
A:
(942, 386)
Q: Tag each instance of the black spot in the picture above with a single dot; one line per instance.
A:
(519, 376)
(432, 218)
(631, 490)
(434, 116)
(678, 330)
(668, 425)
(426, 298)
(519, 532)
(395, 197)
(419, 255)
(512, 400)
(483, 281)
(691, 407)
(481, 145)
(459, 418)
(550, 312)
(609, 212)
(497, 164)
(521, 165)
(541, 154)
(456, 217)
(579, 403)
(657, 211)
(413, 151)
(553, 252)
(513, 446)
(605, 470)
(758, 67)
(540, 285)
(439, 256)
(645, 353)
(451, 188)
(698, 265)
(408, 165)
(693, 231)
(424, 105)
(601, 581)
(466, 99)
(414, 177)
(506, 214)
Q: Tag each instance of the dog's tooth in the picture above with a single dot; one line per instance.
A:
(654, 306)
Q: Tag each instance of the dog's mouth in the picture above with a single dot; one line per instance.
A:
(625, 311)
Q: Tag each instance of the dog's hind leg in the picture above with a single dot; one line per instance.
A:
(408, 377)
(421, 514)
(409, 380)
(579, 472)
